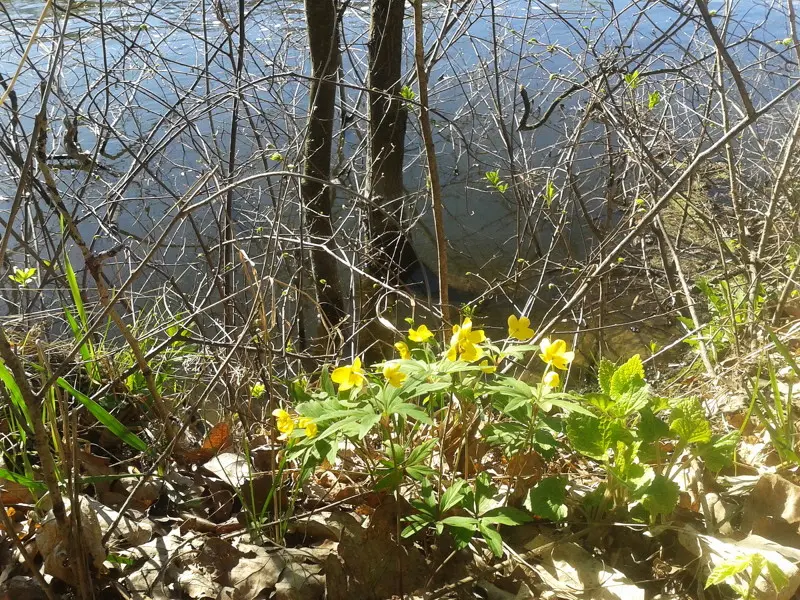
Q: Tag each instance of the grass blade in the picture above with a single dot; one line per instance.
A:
(105, 417)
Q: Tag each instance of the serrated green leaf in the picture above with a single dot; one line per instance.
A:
(595, 437)
(651, 428)
(547, 499)
(728, 569)
(601, 402)
(604, 372)
(688, 421)
(628, 388)
(718, 453)
(626, 375)
(661, 496)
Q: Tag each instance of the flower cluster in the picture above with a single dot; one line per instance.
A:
(286, 424)
(464, 345)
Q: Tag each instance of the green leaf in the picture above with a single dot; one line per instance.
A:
(628, 387)
(105, 417)
(409, 410)
(594, 437)
(470, 523)
(653, 100)
(661, 496)
(728, 569)
(718, 453)
(777, 576)
(688, 421)
(389, 481)
(505, 515)
(452, 496)
(784, 351)
(624, 374)
(567, 406)
(462, 535)
(417, 524)
(325, 382)
(602, 402)
(31, 484)
(604, 372)
(546, 499)
(493, 539)
(651, 428)
(511, 437)
(7, 378)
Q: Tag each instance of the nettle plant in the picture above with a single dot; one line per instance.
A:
(642, 441)
(422, 423)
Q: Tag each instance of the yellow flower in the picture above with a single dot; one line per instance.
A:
(308, 425)
(351, 376)
(462, 343)
(466, 351)
(551, 380)
(519, 329)
(555, 353)
(393, 375)
(420, 334)
(284, 422)
(464, 333)
(402, 350)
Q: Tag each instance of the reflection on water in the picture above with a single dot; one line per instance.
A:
(162, 76)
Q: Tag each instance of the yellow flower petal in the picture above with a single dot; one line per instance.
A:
(555, 353)
(350, 376)
(420, 334)
(551, 380)
(393, 375)
(283, 421)
(309, 426)
(402, 350)
(519, 328)
(470, 352)
(452, 353)
(487, 367)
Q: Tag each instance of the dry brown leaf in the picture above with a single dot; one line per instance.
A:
(569, 569)
(256, 571)
(12, 492)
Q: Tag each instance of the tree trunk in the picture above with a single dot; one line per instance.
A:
(391, 252)
(317, 195)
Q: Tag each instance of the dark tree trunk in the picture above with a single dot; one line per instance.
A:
(317, 196)
(391, 253)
